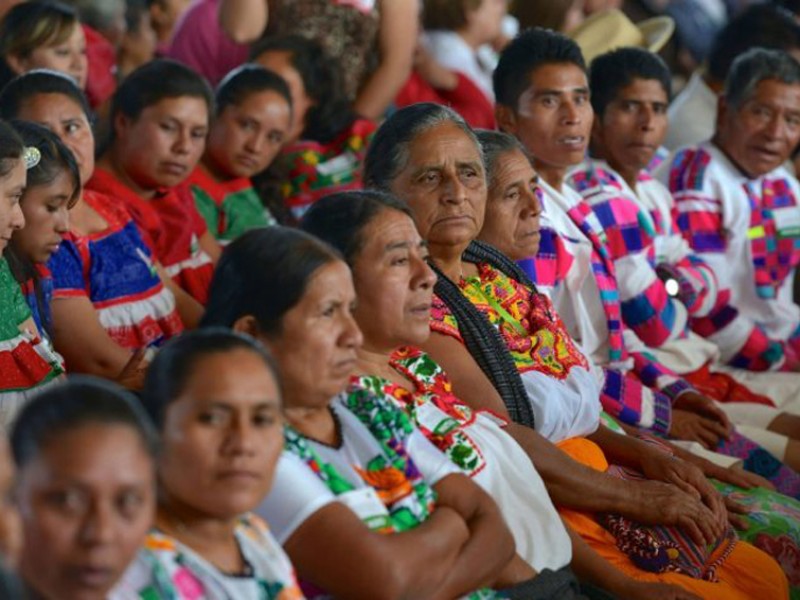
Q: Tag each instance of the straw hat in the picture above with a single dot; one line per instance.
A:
(609, 29)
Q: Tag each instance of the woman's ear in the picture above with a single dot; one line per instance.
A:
(16, 63)
(246, 324)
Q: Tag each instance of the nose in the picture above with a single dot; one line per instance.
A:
(62, 220)
(571, 112)
(647, 118)
(240, 439)
(98, 525)
(351, 336)
(532, 202)
(422, 276)
(454, 190)
(775, 127)
(17, 217)
(183, 142)
(254, 143)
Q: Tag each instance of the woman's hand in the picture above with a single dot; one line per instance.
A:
(692, 427)
(704, 407)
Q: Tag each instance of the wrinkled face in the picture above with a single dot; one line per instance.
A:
(10, 526)
(444, 184)
(222, 436)
(316, 347)
(247, 137)
(553, 118)
(11, 188)
(514, 207)
(88, 498)
(162, 146)
(761, 134)
(394, 283)
(64, 117)
(486, 20)
(46, 211)
(280, 62)
(633, 125)
(68, 57)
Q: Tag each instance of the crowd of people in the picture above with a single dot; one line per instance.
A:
(394, 299)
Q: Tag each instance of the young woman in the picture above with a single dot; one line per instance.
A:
(110, 297)
(159, 122)
(42, 35)
(215, 398)
(359, 490)
(327, 141)
(253, 114)
(26, 360)
(84, 452)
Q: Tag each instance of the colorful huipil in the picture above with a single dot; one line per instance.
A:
(171, 226)
(115, 271)
(229, 208)
(383, 470)
(752, 223)
(316, 169)
(583, 293)
(560, 386)
(166, 569)
(27, 361)
(476, 442)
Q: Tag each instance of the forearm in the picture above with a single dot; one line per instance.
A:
(243, 20)
(189, 309)
(380, 90)
(623, 450)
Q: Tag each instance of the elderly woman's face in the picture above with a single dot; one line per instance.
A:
(514, 207)
(222, 437)
(445, 186)
(86, 500)
(761, 134)
(316, 346)
(393, 282)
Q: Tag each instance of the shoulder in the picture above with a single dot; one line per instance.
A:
(690, 168)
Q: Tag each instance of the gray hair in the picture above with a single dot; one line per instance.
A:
(388, 152)
(494, 145)
(755, 66)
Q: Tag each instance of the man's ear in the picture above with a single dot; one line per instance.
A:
(16, 64)
(246, 324)
(506, 119)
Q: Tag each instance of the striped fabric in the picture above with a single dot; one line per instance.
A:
(115, 271)
(170, 226)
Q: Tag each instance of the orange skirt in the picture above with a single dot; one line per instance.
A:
(748, 573)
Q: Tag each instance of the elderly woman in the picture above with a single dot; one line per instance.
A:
(359, 489)
(215, 399)
(427, 155)
(84, 452)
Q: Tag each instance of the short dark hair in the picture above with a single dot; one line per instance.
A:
(249, 79)
(528, 51)
(612, 71)
(78, 401)
(11, 148)
(153, 82)
(21, 89)
(387, 154)
(332, 112)
(762, 25)
(264, 273)
(174, 364)
(339, 219)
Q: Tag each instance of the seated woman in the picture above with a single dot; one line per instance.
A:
(215, 399)
(442, 178)
(394, 285)
(327, 142)
(158, 125)
(110, 297)
(85, 457)
(26, 360)
(253, 112)
(359, 489)
(42, 35)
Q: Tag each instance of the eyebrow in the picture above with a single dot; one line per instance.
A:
(553, 92)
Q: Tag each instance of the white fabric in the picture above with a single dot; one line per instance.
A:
(692, 114)
(782, 388)
(297, 492)
(451, 51)
(723, 192)
(159, 305)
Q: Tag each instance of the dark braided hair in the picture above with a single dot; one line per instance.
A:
(482, 339)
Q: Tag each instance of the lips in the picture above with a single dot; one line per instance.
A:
(248, 162)
(93, 577)
(574, 142)
(421, 309)
(174, 168)
(239, 475)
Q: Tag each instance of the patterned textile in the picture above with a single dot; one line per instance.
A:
(759, 461)
(316, 170)
(728, 218)
(534, 335)
(169, 570)
(26, 360)
(229, 208)
(114, 269)
(170, 226)
(432, 406)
